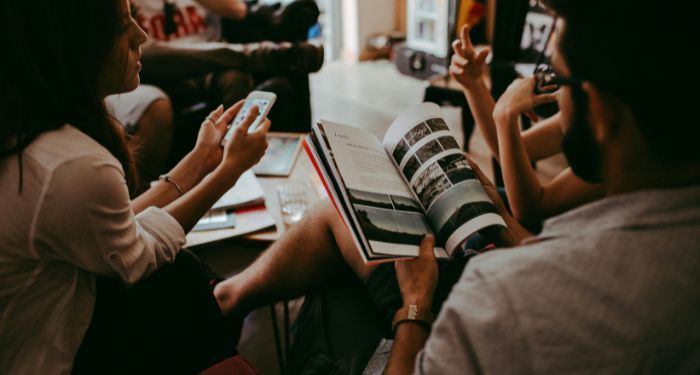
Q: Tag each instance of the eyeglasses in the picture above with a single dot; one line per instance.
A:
(548, 80)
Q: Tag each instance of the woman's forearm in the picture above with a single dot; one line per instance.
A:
(522, 186)
(481, 104)
(186, 174)
(543, 139)
(189, 208)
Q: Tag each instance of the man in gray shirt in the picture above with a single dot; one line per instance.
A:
(613, 286)
(610, 287)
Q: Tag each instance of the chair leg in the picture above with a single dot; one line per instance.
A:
(278, 343)
(287, 338)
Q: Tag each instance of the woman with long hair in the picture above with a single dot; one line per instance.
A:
(91, 281)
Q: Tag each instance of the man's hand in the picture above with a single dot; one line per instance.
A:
(468, 66)
(520, 98)
(418, 277)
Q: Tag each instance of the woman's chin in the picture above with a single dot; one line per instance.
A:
(131, 86)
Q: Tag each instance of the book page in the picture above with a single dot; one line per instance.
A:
(434, 167)
(246, 192)
(391, 220)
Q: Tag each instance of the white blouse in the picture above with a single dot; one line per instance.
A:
(71, 220)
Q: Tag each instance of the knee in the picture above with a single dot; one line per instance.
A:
(281, 86)
(323, 210)
(234, 85)
(157, 119)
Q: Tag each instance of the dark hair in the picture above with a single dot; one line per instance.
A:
(640, 53)
(56, 52)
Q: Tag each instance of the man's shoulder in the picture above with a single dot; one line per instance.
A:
(511, 263)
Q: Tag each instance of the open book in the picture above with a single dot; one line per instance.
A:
(391, 193)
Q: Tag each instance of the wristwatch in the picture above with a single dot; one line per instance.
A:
(415, 314)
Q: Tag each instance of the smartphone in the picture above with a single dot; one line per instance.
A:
(264, 100)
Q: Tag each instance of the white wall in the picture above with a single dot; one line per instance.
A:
(362, 18)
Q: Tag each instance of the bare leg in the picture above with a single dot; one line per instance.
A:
(154, 134)
(311, 252)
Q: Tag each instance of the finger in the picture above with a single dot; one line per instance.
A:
(483, 55)
(427, 247)
(456, 70)
(547, 88)
(457, 59)
(230, 113)
(467, 46)
(215, 114)
(261, 131)
(264, 127)
(545, 98)
(457, 47)
(249, 118)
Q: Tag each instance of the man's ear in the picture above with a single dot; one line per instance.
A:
(602, 112)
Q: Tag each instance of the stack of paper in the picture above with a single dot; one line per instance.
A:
(245, 194)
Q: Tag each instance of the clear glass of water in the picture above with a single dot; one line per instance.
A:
(293, 201)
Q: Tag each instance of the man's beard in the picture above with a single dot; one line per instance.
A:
(578, 143)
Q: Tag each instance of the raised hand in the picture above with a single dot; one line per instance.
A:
(468, 66)
(520, 98)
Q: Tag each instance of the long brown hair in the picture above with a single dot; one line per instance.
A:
(49, 75)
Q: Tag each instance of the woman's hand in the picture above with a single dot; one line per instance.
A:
(244, 149)
(520, 98)
(418, 277)
(468, 66)
(208, 147)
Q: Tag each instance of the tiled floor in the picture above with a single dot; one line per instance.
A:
(369, 95)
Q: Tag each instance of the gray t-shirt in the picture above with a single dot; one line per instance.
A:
(612, 287)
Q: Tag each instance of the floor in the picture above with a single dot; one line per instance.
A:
(370, 95)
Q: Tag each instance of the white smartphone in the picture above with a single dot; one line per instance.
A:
(264, 100)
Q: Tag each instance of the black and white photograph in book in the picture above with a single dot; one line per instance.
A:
(447, 216)
(400, 151)
(464, 214)
(370, 199)
(429, 150)
(430, 184)
(402, 222)
(448, 143)
(437, 124)
(405, 204)
(456, 168)
(418, 132)
(411, 167)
